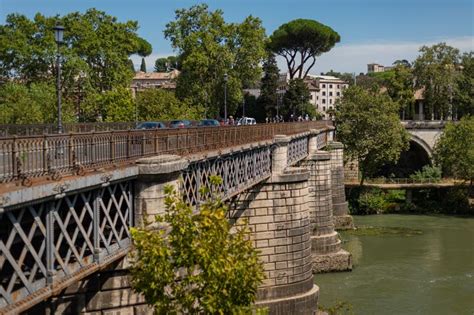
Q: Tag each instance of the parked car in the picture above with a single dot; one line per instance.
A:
(180, 124)
(151, 125)
(246, 121)
(208, 123)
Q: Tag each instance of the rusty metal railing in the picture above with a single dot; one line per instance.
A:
(26, 157)
(40, 129)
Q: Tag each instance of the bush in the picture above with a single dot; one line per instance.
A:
(428, 172)
(372, 201)
(192, 263)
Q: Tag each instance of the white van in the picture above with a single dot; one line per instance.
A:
(246, 121)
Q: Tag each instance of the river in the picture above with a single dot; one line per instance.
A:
(426, 269)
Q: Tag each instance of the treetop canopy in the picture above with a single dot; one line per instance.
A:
(303, 34)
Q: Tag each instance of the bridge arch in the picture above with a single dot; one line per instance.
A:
(422, 143)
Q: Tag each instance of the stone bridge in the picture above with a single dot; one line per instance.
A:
(425, 133)
(67, 203)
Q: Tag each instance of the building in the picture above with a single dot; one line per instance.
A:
(375, 67)
(154, 80)
(327, 91)
(324, 90)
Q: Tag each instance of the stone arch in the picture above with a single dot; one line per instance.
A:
(422, 143)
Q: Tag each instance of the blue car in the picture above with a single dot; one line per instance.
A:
(151, 125)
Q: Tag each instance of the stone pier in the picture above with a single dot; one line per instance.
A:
(327, 254)
(341, 217)
(277, 212)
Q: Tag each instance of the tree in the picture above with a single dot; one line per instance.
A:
(35, 103)
(369, 126)
(400, 88)
(158, 104)
(454, 150)
(268, 90)
(131, 65)
(345, 76)
(167, 63)
(143, 65)
(296, 100)
(95, 52)
(208, 48)
(436, 71)
(193, 264)
(306, 38)
(464, 97)
(402, 62)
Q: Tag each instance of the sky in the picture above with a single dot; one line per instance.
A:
(379, 31)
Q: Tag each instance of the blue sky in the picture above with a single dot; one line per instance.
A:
(371, 30)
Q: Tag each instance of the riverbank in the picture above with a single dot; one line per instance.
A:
(452, 200)
(405, 264)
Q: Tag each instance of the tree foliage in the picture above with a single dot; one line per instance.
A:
(436, 71)
(143, 65)
(36, 103)
(454, 150)
(400, 89)
(304, 40)
(296, 100)
(193, 264)
(157, 104)
(208, 48)
(95, 53)
(268, 90)
(464, 98)
(369, 126)
(167, 63)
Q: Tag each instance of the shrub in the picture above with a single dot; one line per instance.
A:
(432, 173)
(192, 263)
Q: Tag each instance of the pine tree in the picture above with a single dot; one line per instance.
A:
(143, 65)
(268, 98)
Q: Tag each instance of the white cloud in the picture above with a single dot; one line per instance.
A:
(355, 57)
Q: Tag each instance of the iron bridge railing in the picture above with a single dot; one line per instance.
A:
(27, 157)
(46, 246)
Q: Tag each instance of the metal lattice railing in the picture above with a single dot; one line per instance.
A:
(321, 140)
(239, 171)
(297, 149)
(27, 157)
(45, 244)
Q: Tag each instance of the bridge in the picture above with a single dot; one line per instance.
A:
(425, 133)
(67, 202)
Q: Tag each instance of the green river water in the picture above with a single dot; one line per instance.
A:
(406, 264)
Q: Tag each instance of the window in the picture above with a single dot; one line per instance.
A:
(330, 86)
(338, 86)
(324, 108)
(324, 85)
(330, 101)
(324, 93)
(317, 97)
(330, 107)
(330, 93)
(338, 93)
(324, 101)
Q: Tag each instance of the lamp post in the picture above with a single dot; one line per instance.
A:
(225, 97)
(58, 36)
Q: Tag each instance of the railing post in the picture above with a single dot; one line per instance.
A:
(70, 147)
(50, 248)
(112, 147)
(14, 157)
(45, 154)
(280, 154)
(96, 225)
(128, 144)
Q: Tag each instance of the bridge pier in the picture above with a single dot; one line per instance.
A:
(342, 219)
(278, 214)
(327, 254)
(154, 174)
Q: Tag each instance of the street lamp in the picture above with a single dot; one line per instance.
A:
(58, 36)
(225, 97)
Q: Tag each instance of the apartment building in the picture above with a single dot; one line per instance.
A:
(329, 89)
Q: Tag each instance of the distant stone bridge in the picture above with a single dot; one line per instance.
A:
(67, 202)
(425, 133)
